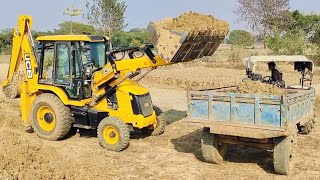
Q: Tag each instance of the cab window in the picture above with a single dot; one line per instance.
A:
(62, 64)
(46, 75)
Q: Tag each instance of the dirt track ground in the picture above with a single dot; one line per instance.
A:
(173, 155)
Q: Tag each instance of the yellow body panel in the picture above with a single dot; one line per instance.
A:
(71, 38)
(62, 95)
(124, 111)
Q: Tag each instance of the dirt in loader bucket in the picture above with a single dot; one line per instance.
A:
(187, 37)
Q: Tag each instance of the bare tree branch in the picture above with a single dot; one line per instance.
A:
(260, 14)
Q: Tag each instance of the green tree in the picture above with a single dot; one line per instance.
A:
(78, 28)
(309, 23)
(134, 37)
(6, 36)
(289, 43)
(241, 38)
(107, 16)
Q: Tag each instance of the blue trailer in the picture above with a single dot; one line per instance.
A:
(262, 121)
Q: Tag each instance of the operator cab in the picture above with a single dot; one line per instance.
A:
(64, 58)
(300, 63)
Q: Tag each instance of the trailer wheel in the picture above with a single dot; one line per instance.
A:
(212, 150)
(113, 134)
(283, 154)
(51, 119)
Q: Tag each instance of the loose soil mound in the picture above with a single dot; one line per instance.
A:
(254, 87)
(189, 22)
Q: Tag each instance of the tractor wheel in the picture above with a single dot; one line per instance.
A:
(113, 134)
(12, 90)
(157, 110)
(283, 153)
(51, 119)
(212, 150)
(161, 125)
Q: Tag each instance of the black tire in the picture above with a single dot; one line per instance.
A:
(161, 125)
(60, 113)
(283, 154)
(157, 110)
(115, 139)
(212, 150)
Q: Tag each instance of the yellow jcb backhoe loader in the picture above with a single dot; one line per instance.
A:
(77, 80)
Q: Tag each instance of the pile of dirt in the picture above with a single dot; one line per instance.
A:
(174, 38)
(255, 87)
(190, 22)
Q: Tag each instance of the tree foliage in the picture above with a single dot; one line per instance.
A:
(107, 16)
(77, 28)
(263, 15)
(6, 41)
(241, 38)
(290, 43)
(309, 23)
(134, 37)
(296, 37)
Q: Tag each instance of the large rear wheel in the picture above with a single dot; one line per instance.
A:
(51, 119)
(213, 151)
(113, 134)
(283, 153)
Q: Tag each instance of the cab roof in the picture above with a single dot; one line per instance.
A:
(87, 38)
(250, 63)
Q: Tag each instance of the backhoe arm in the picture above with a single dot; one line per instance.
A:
(124, 67)
(21, 31)
(22, 52)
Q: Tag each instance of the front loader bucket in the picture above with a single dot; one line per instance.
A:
(176, 43)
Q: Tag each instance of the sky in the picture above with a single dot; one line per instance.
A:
(47, 14)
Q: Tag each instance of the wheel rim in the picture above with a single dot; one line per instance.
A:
(111, 135)
(46, 118)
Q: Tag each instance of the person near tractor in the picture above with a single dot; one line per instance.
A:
(276, 76)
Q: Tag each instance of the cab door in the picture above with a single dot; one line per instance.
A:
(67, 69)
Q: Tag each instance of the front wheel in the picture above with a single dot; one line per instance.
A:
(158, 128)
(113, 134)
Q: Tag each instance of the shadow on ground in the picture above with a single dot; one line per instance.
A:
(191, 143)
(170, 116)
(173, 115)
